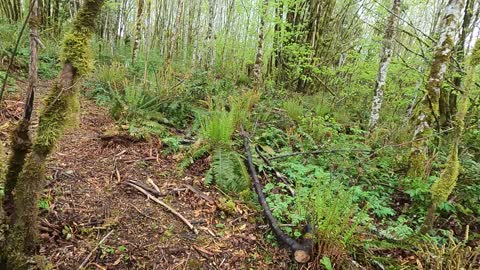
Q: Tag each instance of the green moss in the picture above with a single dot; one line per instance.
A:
(418, 160)
(443, 187)
(475, 57)
(21, 145)
(76, 47)
(76, 50)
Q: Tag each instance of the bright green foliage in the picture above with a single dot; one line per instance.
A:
(227, 170)
(330, 207)
(294, 109)
(217, 128)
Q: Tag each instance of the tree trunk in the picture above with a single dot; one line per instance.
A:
(56, 115)
(176, 26)
(138, 29)
(385, 57)
(427, 115)
(12, 9)
(443, 187)
(257, 68)
(448, 99)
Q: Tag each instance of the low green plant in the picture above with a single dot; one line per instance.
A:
(294, 109)
(228, 172)
(217, 128)
(451, 255)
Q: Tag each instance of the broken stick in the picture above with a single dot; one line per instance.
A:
(173, 211)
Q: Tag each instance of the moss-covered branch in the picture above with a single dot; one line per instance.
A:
(60, 105)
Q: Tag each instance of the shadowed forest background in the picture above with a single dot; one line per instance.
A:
(239, 134)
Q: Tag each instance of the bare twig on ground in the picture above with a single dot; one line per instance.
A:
(319, 152)
(280, 177)
(173, 211)
(85, 261)
(199, 193)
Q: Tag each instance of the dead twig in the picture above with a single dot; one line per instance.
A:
(199, 193)
(319, 152)
(173, 211)
(85, 261)
(280, 177)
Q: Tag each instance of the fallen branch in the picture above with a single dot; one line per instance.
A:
(199, 193)
(319, 152)
(145, 187)
(85, 261)
(302, 251)
(173, 211)
(280, 177)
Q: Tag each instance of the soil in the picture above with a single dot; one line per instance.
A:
(86, 199)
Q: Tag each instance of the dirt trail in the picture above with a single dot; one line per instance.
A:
(86, 198)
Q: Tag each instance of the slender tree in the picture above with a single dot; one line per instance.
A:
(138, 30)
(385, 56)
(257, 68)
(175, 31)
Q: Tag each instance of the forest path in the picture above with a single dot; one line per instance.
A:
(86, 198)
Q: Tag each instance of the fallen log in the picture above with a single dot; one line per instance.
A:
(302, 251)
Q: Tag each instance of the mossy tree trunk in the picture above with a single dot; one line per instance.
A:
(21, 141)
(427, 114)
(443, 187)
(60, 105)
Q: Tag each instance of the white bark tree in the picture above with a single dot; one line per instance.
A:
(386, 55)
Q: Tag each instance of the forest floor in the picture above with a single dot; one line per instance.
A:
(86, 199)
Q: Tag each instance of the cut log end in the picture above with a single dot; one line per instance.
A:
(301, 256)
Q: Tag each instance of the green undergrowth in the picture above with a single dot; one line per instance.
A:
(354, 193)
